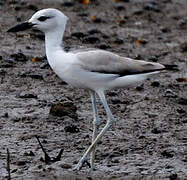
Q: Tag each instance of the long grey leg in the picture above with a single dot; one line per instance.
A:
(103, 131)
(96, 123)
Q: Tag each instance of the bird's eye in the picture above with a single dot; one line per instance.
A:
(43, 18)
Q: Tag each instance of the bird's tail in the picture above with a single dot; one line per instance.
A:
(171, 67)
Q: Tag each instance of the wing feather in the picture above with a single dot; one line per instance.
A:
(109, 63)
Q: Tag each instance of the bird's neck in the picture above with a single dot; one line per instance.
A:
(53, 40)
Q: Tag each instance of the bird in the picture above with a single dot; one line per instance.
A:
(93, 69)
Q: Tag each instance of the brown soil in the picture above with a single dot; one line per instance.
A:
(148, 140)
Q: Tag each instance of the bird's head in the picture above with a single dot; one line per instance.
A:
(45, 20)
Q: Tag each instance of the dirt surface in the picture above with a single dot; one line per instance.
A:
(149, 137)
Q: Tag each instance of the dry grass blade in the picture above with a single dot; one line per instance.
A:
(8, 164)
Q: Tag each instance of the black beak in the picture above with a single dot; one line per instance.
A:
(21, 27)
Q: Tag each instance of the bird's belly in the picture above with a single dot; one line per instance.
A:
(88, 80)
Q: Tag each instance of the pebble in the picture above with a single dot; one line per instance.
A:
(96, 19)
(167, 153)
(140, 87)
(30, 153)
(71, 129)
(112, 93)
(78, 34)
(138, 12)
(2, 72)
(115, 100)
(156, 131)
(19, 57)
(21, 162)
(173, 177)
(182, 101)
(152, 7)
(182, 22)
(66, 166)
(32, 7)
(183, 47)
(103, 46)
(27, 95)
(36, 76)
(181, 111)
(119, 40)
(68, 3)
(119, 6)
(154, 58)
(93, 31)
(6, 115)
(91, 39)
(6, 65)
(170, 93)
(83, 14)
(165, 30)
(44, 65)
(63, 109)
(155, 83)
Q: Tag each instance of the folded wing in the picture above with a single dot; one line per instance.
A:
(109, 63)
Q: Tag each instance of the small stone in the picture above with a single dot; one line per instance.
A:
(165, 29)
(115, 100)
(27, 47)
(11, 61)
(32, 7)
(71, 129)
(181, 111)
(119, 6)
(152, 7)
(173, 176)
(167, 154)
(155, 131)
(183, 47)
(64, 109)
(91, 39)
(21, 163)
(182, 22)
(30, 153)
(119, 41)
(19, 57)
(138, 12)
(17, 8)
(111, 93)
(36, 76)
(83, 14)
(78, 34)
(68, 3)
(44, 65)
(155, 83)
(6, 65)
(18, 19)
(93, 31)
(103, 46)
(154, 58)
(182, 101)
(66, 166)
(140, 88)
(2, 71)
(170, 93)
(96, 19)
(5, 115)
(27, 95)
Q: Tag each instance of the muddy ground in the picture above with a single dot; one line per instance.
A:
(148, 140)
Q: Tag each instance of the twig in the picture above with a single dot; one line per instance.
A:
(8, 164)
(47, 158)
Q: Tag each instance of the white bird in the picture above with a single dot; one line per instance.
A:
(93, 69)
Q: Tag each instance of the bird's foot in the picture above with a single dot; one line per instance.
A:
(81, 164)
